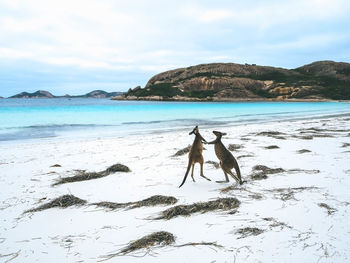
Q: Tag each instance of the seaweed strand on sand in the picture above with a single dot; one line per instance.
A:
(150, 201)
(156, 239)
(228, 203)
(249, 231)
(83, 176)
(62, 201)
(261, 172)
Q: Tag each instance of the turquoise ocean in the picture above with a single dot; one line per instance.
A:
(23, 119)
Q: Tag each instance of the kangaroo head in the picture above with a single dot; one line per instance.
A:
(219, 134)
(195, 131)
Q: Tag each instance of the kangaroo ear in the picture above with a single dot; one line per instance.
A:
(224, 133)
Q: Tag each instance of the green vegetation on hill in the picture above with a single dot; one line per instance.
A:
(335, 89)
(161, 89)
(169, 90)
(199, 94)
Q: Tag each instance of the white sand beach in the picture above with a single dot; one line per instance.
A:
(298, 214)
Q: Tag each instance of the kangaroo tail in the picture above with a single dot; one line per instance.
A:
(188, 169)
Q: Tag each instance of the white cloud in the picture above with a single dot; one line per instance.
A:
(262, 14)
(320, 40)
(207, 15)
(152, 36)
(72, 61)
(9, 53)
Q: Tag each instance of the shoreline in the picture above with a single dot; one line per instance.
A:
(71, 136)
(183, 99)
(216, 99)
(310, 158)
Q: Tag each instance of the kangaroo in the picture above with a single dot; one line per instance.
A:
(195, 155)
(227, 161)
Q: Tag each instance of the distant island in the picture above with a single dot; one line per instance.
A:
(46, 94)
(322, 80)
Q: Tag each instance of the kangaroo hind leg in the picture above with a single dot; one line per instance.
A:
(226, 177)
(234, 176)
(192, 172)
(202, 172)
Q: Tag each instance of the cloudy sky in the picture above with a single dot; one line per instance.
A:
(75, 46)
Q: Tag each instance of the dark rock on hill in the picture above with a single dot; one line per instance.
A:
(230, 81)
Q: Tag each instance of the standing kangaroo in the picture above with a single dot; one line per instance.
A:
(195, 155)
(227, 161)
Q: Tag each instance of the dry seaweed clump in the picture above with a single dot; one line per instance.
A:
(182, 151)
(157, 239)
(276, 223)
(202, 207)
(261, 171)
(270, 147)
(154, 200)
(303, 151)
(151, 201)
(303, 137)
(249, 231)
(273, 134)
(83, 176)
(330, 210)
(286, 194)
(62, 201)
(234, 147)
(215, 164)
(110, 205)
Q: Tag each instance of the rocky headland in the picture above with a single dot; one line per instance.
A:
(322, 80)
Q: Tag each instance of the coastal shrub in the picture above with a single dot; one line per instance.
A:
(263, 93)
(335, 89)
(204, 74)
(199, 93)
(160, 89)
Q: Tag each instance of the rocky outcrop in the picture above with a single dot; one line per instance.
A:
(37, 94)
(230, 81)
(337, 70)
(214, 69)
(100, 94)
(46, 94)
